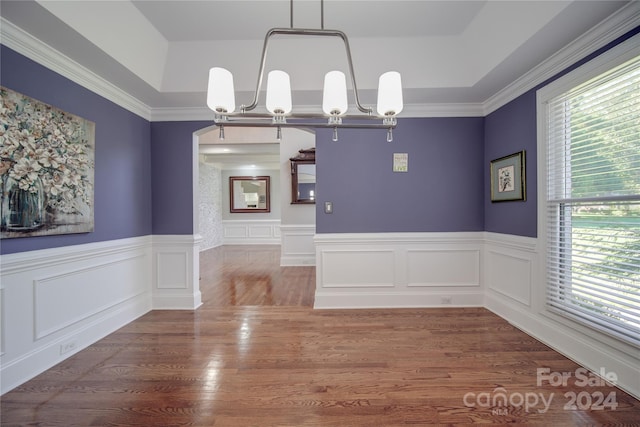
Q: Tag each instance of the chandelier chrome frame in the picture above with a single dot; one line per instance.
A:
(245, 118)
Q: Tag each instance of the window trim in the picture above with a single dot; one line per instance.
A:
(612, 58)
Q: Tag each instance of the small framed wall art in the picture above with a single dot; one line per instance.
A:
(508, 178)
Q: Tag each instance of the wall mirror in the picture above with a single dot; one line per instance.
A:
(303, 177)
(249, 194)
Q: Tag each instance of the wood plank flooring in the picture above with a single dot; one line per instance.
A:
(248, 276)
(257, 354)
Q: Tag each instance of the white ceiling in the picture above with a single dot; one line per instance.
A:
(242, 148)
(448, 52)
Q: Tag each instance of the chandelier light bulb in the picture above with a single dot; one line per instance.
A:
(278, 93)
(335, 102)
(390, 94)
(220, 95)
(334, 96)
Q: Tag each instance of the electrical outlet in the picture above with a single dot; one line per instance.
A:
(445, 300)
(68, 346)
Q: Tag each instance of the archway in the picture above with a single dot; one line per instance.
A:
(294, 225)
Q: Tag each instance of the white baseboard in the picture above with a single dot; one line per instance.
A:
(584, 350)
(118, 281)
(398, 270)
(55, 302)
(346, 300)
(176, 302)
(515, 291)
(496, 271)
(298, 248)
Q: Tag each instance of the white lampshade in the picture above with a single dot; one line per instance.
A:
(220, 95)
(390, 94)
(278, 92)
(334, 97)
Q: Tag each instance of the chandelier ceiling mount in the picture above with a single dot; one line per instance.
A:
(221, 97)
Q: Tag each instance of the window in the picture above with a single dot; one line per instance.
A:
(590, 194)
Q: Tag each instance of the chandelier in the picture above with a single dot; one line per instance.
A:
(221, 96)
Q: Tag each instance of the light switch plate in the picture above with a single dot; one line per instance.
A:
(328, 207)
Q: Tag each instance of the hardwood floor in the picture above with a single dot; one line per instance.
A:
(248, 276)
(257, 354)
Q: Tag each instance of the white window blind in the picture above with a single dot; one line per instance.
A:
(593, 203)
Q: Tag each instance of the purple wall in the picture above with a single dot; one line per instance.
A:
(443, 190)
(507, 130)
(172, 175)
(143, 172)
(512, 128)
(122, 155)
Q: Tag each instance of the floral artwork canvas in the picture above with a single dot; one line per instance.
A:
(46, 167)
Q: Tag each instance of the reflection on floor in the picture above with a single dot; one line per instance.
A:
(251, 275)
(257, 354)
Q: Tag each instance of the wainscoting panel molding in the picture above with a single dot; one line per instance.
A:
(509, 267)
(297, 245)
(424, 267)
(251, 232)
(361, 268)
(176, 272)
(172, 271)
(399, 270)
(515, 291)
(53, 314)
(56, 302)
(510, 275)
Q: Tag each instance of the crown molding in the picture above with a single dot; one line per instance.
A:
(183, 114)
(608, 30)
(616, 25)
(442, 110)
(38, 51)
(25, 44)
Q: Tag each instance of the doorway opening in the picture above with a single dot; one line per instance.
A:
(251, 152)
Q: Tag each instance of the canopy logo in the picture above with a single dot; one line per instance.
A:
(500, 401)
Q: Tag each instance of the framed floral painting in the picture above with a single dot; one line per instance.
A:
(46, 167)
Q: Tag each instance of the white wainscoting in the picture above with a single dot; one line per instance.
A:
(251, 232)
(515, 290)
(176, 272)
(55, 302)
(297, 248)
(399, 270)
(509, 266)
